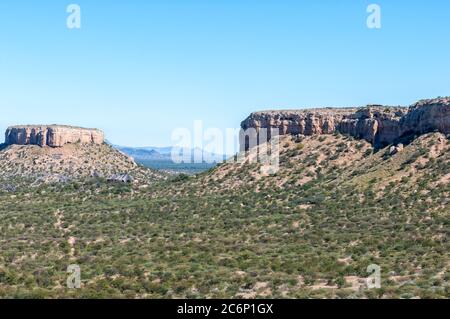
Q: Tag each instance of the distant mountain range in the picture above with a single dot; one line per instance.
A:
(143, 153)
(151, 153)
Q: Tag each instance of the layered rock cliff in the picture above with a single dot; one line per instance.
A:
(379, 125)
(52, 135)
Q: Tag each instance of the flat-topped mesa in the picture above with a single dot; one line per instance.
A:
(379, 125)
(52, 135)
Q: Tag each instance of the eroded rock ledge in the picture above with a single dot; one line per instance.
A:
(52, 135)
(379, 125)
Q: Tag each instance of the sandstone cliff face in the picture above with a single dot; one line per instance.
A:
(375, 124)
(305, 122)
(379, 125)
(52, 135)
(428, 116)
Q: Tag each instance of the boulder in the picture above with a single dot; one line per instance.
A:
(123, 178)
(395, 149)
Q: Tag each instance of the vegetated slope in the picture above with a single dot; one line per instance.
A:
(338, 161)
(334, 207)
(35, 164)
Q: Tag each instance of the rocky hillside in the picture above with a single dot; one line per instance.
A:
(49, 154)
(340, 161)
(379, 125)
(335, 206)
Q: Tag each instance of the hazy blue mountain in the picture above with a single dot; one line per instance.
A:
(160, 150)
(143, 154)
(161, 158)
(161, 153)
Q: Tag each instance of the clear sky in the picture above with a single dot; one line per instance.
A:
(139, 69)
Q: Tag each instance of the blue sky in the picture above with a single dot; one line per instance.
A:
(139, 69)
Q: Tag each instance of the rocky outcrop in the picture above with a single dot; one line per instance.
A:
(376, 124)
(395, 149)
(428, 116)
(52, 135)
(122, 178)
(379, 125)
